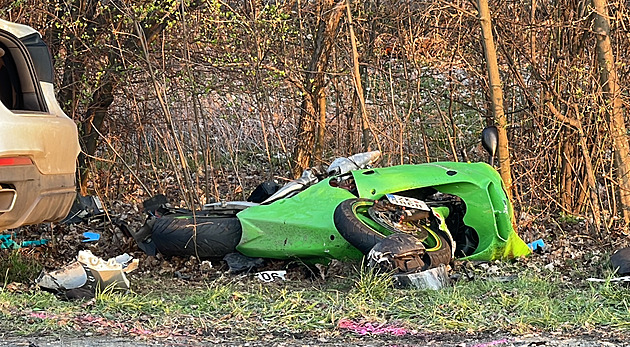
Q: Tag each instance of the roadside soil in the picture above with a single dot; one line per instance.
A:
(428, 339)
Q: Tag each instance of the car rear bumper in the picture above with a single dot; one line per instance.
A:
(36, 198)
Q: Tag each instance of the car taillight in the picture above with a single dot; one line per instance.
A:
(15, 161)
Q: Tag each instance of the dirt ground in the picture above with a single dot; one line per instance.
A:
(347, 341)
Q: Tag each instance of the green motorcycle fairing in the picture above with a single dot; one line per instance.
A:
(302, 226)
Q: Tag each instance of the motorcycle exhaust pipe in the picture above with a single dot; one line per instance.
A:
(7, 199)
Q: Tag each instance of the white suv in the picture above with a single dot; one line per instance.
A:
(38, 142)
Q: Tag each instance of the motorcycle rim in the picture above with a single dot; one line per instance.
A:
(352, 221)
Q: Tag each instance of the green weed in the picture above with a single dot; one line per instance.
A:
(15, 266)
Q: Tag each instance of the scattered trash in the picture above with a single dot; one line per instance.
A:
(614, 279)
(205, 266)
(155, 203)
(620, 261)
(34, 243)
(73, 281)
(7, 242)
(503, 279)
(239, 263)
(490, 269)
(81, 278)
(111, 272)
(182, 276)
(271, 276)
(432, 279)
(365, 328)
(83, 208)
(91, 237)
(537, 245)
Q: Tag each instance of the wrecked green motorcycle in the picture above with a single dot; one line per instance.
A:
(417, 216)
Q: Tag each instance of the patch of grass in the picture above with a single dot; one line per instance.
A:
(16, 266)
(110, 302)
(534, 301)
(569, 218)
(373, 284)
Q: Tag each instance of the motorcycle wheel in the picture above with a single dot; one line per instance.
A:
(211, 238)
(355, 225)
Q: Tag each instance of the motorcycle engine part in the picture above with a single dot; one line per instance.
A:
(401, 253)
(397, 218)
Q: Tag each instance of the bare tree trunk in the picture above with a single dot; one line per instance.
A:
(95, 116)
(321, 126)
(590, 173)
(496, 94)
(313, 83)
(610, 84)
(365, 124)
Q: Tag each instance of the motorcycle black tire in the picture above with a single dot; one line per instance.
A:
(212, 238)
(364, 237)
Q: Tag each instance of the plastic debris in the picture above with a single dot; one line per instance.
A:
(111, 272)
(398, 252)
(432, 279)
(614, 279)
(34, 243)
(7, 242)
(84, 208)
(205, 266)
(271, 276)
(91, 237)
(83, 277)
(69, 277)
(537, 245)
(239, 263)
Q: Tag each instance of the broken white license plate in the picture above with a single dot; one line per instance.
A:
(270, 276)
(408, 202)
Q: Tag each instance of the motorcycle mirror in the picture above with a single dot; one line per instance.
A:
(490, 142)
